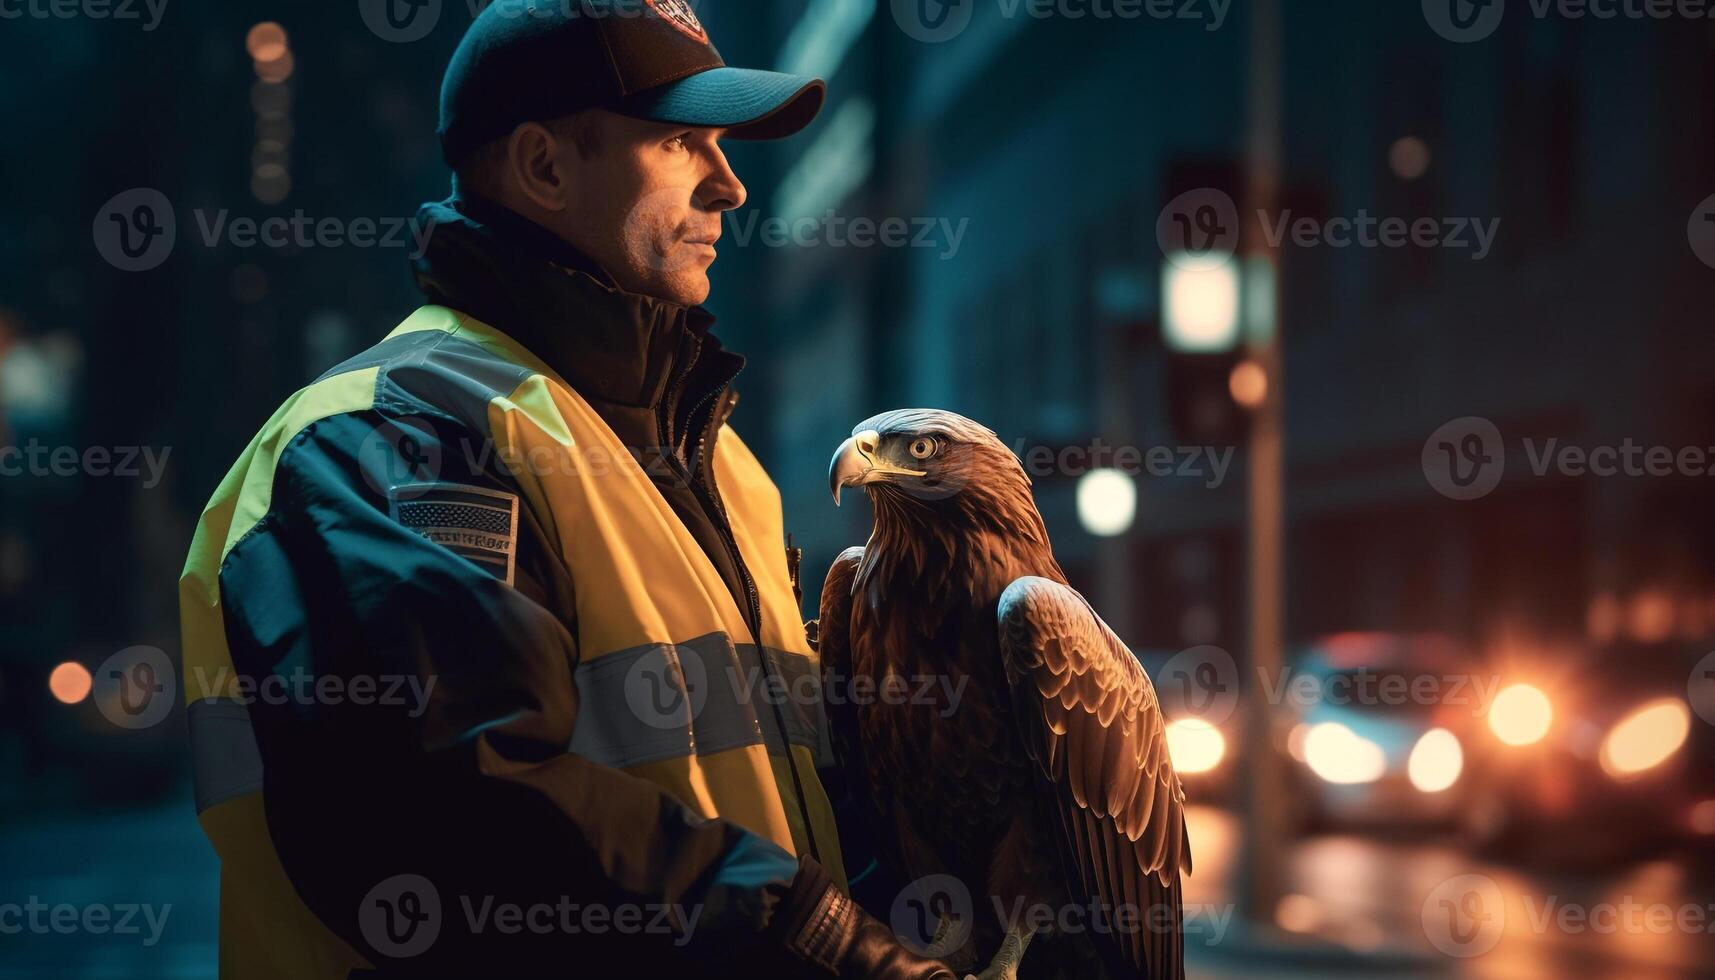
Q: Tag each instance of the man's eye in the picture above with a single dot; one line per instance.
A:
(677, 144)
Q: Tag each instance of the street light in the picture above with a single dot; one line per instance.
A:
(1107, 502)
(1200, 312)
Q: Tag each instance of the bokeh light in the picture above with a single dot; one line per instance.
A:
(1521, 714)
(1436, 761)
(1194, 745)
(1202, 307)
(1107, 502)
(70, 682)
(276, 71)
(1249, 384)
(1703, 818)
(266, 42)
(1298, 913)
(1408, 157)
(1342, 756)
(1645, 738)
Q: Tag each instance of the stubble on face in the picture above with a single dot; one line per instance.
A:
(667, 246)
(637, 216)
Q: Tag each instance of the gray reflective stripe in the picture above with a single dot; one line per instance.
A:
(223, 751)
(618, 722)
(669, 701)
(803, 682)
(727, 717)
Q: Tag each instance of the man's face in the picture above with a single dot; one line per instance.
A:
(647, 205)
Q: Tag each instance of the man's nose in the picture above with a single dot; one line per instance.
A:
(722, 190)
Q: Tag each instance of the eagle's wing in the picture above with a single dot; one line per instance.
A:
(1092, 723)
(834, 647)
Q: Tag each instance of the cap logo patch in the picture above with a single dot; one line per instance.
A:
(681, 16)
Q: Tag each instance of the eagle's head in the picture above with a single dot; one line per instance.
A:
(925, 455)
(946, 491)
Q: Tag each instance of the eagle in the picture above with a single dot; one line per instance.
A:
(1038, 776)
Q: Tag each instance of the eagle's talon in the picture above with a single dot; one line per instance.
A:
(1005, 963)
(941, 946)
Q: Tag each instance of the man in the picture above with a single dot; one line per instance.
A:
(524, 516)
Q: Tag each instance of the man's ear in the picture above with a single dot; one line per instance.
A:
(534, 164)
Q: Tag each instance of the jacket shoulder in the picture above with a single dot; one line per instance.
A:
(439, 362)
(432, 375)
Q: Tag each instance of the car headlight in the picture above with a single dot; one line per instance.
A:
(1194, 745)
(1436, 761)
(1340, 755)
(1521, 714)
(1646, 738)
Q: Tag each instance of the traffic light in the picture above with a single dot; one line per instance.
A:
(1210, 384)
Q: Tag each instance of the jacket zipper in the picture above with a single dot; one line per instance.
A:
(711, 498)
(662, 418)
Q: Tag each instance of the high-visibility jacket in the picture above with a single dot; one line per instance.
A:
(580, 707)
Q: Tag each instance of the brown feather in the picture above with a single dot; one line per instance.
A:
(1050, 781)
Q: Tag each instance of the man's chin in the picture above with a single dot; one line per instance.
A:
(676, 277)
(689, 287)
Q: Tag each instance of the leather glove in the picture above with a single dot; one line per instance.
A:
(829, 931)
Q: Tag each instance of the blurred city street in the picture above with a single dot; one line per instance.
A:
(1364, 899)
(1357, 906)
(154, 860)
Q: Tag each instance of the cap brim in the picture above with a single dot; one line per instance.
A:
(749, 103)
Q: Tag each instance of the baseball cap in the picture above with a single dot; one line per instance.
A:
(525, 60)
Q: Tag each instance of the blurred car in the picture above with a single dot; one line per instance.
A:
(1377, 725)
(1600, 763)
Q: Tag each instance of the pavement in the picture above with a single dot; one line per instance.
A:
(1357, 907)
(1361, 907)
(129, 893)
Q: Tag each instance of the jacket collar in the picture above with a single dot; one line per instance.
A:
(612, 345)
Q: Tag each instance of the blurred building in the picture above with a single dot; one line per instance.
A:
(1589, 142)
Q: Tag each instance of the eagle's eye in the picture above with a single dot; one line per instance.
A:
(922, 447)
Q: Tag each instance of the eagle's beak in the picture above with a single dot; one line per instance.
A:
(856, 462)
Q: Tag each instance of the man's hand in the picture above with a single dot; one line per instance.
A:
(842, 940)
(862, 948)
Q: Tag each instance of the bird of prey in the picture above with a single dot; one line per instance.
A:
(1045, 784)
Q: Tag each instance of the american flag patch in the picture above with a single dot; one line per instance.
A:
(478, 525)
